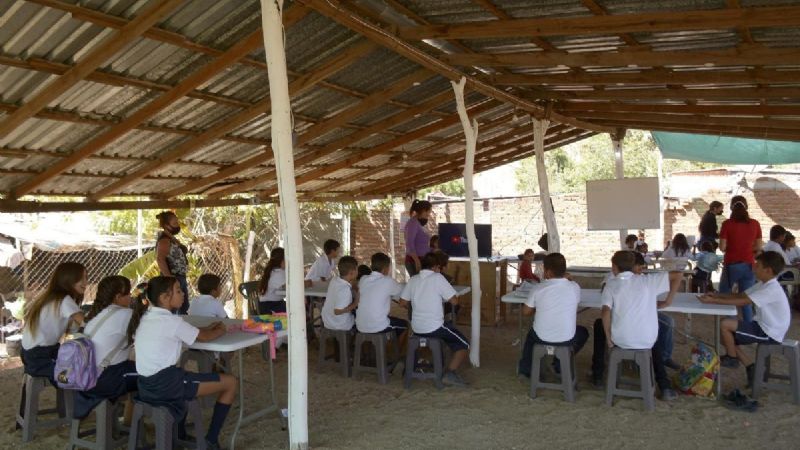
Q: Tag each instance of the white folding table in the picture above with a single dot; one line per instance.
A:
(319, 289)
(686, 303)
(237, 341)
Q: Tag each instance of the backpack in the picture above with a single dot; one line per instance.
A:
(75, 365)
(698, 375)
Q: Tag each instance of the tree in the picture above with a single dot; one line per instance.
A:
(452, 188)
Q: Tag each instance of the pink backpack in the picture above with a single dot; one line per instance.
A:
(75, 365)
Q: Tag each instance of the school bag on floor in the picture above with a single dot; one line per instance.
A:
(75, 365)
(698, 375)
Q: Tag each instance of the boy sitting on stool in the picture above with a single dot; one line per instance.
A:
(772, 313)
(555, 302)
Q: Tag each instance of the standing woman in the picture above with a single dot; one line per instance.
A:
(417, 238)
(740, 240)
(171, 254)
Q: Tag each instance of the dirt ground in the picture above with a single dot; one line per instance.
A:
(493, 412)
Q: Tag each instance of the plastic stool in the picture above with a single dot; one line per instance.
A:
(563, 353)
(789, 349)
(436, 347)
(205, 364)
(29, 421)
(106, 422)
(165, 425)
(342, 337)
(379, 341)
(647, 383)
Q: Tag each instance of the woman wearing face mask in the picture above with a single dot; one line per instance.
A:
(171, 254)
(417, 237)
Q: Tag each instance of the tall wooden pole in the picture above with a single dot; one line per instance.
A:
(290, 218)
(553, 240)
(471, 135)
(391, 237)
(619, 170)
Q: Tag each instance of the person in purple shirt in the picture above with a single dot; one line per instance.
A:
(417, 237)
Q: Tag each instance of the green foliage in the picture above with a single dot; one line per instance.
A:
(453, 188)
(141, 268)
(569, 168)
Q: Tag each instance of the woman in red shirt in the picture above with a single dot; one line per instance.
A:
(740, 240)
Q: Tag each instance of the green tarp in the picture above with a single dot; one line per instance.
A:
(726, 150)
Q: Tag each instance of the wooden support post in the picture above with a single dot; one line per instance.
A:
(619, 170)
(290, 217)
(553, 240)
(391, 236)
(471, 136)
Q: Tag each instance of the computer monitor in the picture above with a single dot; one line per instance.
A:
(453, 239)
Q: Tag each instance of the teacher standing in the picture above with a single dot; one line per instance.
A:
(417, 237)
(171, 254)
(708, 224)
(740, 240)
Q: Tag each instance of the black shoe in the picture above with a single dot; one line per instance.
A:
(729, 361)
(670, 364)
(751, 374)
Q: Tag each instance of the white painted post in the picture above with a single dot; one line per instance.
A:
(346, 231)
(138, 233)
(281, 226)
(248, 256)
(619, 170)
(391, 237)
(471, 135)
(553, 239)
(271, 18)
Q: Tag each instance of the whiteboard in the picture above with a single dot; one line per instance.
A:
(627, 203)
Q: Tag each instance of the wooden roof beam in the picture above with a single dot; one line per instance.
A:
(655, 76)
(598, 10)
(780, 16)
(147, 17)
(323, 70)
(650, 93)
(313, 132)
(726, 110)
(737, 131)
(742, 55)
(691, 119)
(333, 10)
(27, 152)
(205, 73)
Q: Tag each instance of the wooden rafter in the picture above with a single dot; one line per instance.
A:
(28, 152)
(655, 76)
(339, 119)
(296, 87)
(748, 92)
(718, 130)
(742, 55)
(693, 119)
(205, 73)
(787, 16)
(744, 31)
(721, 110)
(148, 16)
(598, 10)
(334, 10)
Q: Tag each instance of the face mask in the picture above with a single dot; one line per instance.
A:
(175, 230)
(423, 222)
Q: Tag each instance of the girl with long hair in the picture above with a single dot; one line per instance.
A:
(106, 326)
(171, 254)
(158, 337)
(740, 239)
(272, 280)
(47, 318)
(678, 251)
(418, 242)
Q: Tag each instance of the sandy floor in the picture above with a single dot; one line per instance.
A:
(494, 412)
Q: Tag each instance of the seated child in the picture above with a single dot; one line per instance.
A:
(791, 249)
(555, 302)
(425, 292)
(273, 280)
(777, 236)
(526, 267)
(630, 243)
(340, 301)
(375, 299)
(322, 269)
(642, 248)
(630, 316)
(434, 242)
(207, 304)
(106, 326)
(362, 271)
(772, 316)
(707, 263)
(159, 340)
(678, 251)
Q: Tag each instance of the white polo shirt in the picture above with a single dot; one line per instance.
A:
(375, 300)
(633, 300)
(793, 253)
(556, 302)
(677, 262)
(340, 295)
(772, 246)
(112, 334)
(772, 308)
(427, 291)
(322, 268)
(160, 339)
(207, 305)
(53, 322)
(277, 280)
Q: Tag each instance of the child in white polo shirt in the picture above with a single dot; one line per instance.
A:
(772, 313)
(630, 315)
(426, 292)
(159, 339)
(340, 301)
(322, 269)
(555, 301)
(375, 299)
(207, 303)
